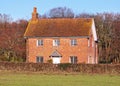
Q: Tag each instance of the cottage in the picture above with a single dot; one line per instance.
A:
(62, 40)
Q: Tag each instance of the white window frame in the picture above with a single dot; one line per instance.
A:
(39, 59)
(39, 42)
(56, 42)
(73, 42)
(75, 59)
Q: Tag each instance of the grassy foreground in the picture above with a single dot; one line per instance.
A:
(37, 79)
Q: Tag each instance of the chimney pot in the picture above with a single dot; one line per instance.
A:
(35, 10)
(34, 14)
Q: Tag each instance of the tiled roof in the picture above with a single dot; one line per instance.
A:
(59, 27)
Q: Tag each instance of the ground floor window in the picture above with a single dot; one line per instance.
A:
(73, 59)
(39, 59)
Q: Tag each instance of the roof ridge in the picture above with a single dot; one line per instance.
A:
(64, 18)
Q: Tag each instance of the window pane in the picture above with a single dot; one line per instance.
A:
(40, 42)
(73, 59)
(39, 59)
(56, 42)
(73, 42)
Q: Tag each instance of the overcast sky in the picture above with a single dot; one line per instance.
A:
(19, 9)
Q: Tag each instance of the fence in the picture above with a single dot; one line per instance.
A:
(78, 68)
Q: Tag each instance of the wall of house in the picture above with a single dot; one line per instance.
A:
(65, 49)
(92, 51)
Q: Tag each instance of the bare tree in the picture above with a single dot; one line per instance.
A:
(61, 12)
(84, 15)
(12, 44)
(115, 44)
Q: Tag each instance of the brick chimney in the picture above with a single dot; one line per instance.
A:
(34, 14)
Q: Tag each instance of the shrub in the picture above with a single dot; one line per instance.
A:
(50, 61)
(64, 66)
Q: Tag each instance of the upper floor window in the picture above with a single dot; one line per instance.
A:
(39, 42)
(73, 42)
(39, 59)
(73, 59)
(56, 42)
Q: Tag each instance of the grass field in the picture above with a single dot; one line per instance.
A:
(37, 79)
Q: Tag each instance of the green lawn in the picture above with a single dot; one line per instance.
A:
(37, 79)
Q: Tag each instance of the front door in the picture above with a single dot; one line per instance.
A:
(56, 57)
(56, 60)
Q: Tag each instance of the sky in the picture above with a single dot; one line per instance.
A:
(22, 9)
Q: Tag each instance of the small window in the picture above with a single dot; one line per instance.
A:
(73, 42)
(39, 42)
(73, 59)
(56, 42)
(39, 59)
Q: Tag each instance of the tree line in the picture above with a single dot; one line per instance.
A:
(12, 42)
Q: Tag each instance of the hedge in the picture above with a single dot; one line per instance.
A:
(66, 67)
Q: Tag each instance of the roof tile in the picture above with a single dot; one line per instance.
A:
(59, 27)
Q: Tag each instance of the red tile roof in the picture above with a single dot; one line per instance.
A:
(59, 27)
